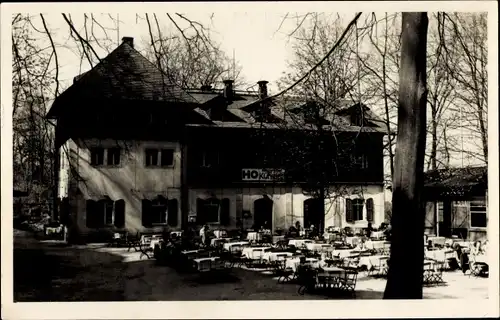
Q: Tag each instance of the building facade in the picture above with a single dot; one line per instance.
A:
(457, 203)
(138, 153)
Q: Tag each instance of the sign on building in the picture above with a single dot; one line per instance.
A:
(262, 174)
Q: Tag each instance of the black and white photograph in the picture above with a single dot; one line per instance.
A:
(249, 151)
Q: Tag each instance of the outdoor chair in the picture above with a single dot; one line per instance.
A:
(347, 283)
(380, 270)
(307, 279)
(133, 241)
(283, 272)
(478, 269)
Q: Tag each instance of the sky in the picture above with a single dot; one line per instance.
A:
(258, 46)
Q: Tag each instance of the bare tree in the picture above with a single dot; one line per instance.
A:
(407, 250)
(330, 81)
(464, 39)
(192, 60)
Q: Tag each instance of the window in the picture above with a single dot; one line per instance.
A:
(105, 212)
(157, 157)
(113, 156)
(357, 209)
(97, 156)
(158, 211)
(478, 216)
(154, 211)
(357, 118)
(209, 158)
(440, 210)
(354, 209)
(167, 157)
(151, 157)
(360, 161)
(208, 210)
(213, 210)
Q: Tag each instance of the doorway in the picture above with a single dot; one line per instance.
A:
(263, 213)
(313, 213)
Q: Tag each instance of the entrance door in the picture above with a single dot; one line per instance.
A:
(445, 225)
(313, 213)
(263, 213)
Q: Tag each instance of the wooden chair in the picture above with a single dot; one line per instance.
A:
(347, 283)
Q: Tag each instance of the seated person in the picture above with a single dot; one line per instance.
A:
(361, 246)
(368, 230)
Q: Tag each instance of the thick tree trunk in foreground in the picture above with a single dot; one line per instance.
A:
(407, 250)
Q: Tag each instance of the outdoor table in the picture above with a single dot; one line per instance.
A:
(295, 262)
(278, 238)
(333, 270)
(274, 256)
(345, 253)
(481, 258)
(219, 234)
(177, 233)
(216, 241)
(377, 234)
(228, 245)
(377, 245)
(254, 253)
(437, 240)
(155, 241)
(190, 253)
(372, 261)
(352, 241)
(317, 246)
(207, 264)
(440, 255)
(299, 243)
(254, 236)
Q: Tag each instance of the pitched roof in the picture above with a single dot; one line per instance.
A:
(456, 181)
(124, 74)
(127, 74)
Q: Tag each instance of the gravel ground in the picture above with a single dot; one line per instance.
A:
(94, 273)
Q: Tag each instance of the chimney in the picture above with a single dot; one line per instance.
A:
(228, 89)
(262, 89)
(128, 40)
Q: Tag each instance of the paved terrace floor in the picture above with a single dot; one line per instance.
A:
(97, 273)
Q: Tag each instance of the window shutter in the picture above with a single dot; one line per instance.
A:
(91, 213)
(65, 211)
(120, 214)
(146, 213)
(369, 210)
(200, 204)
(101, 207)
(348, 210)
(172, 212)
(224, 212)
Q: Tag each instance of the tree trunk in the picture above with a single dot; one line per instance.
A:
(407, 250)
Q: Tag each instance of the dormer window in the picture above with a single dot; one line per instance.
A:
(357, 118)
